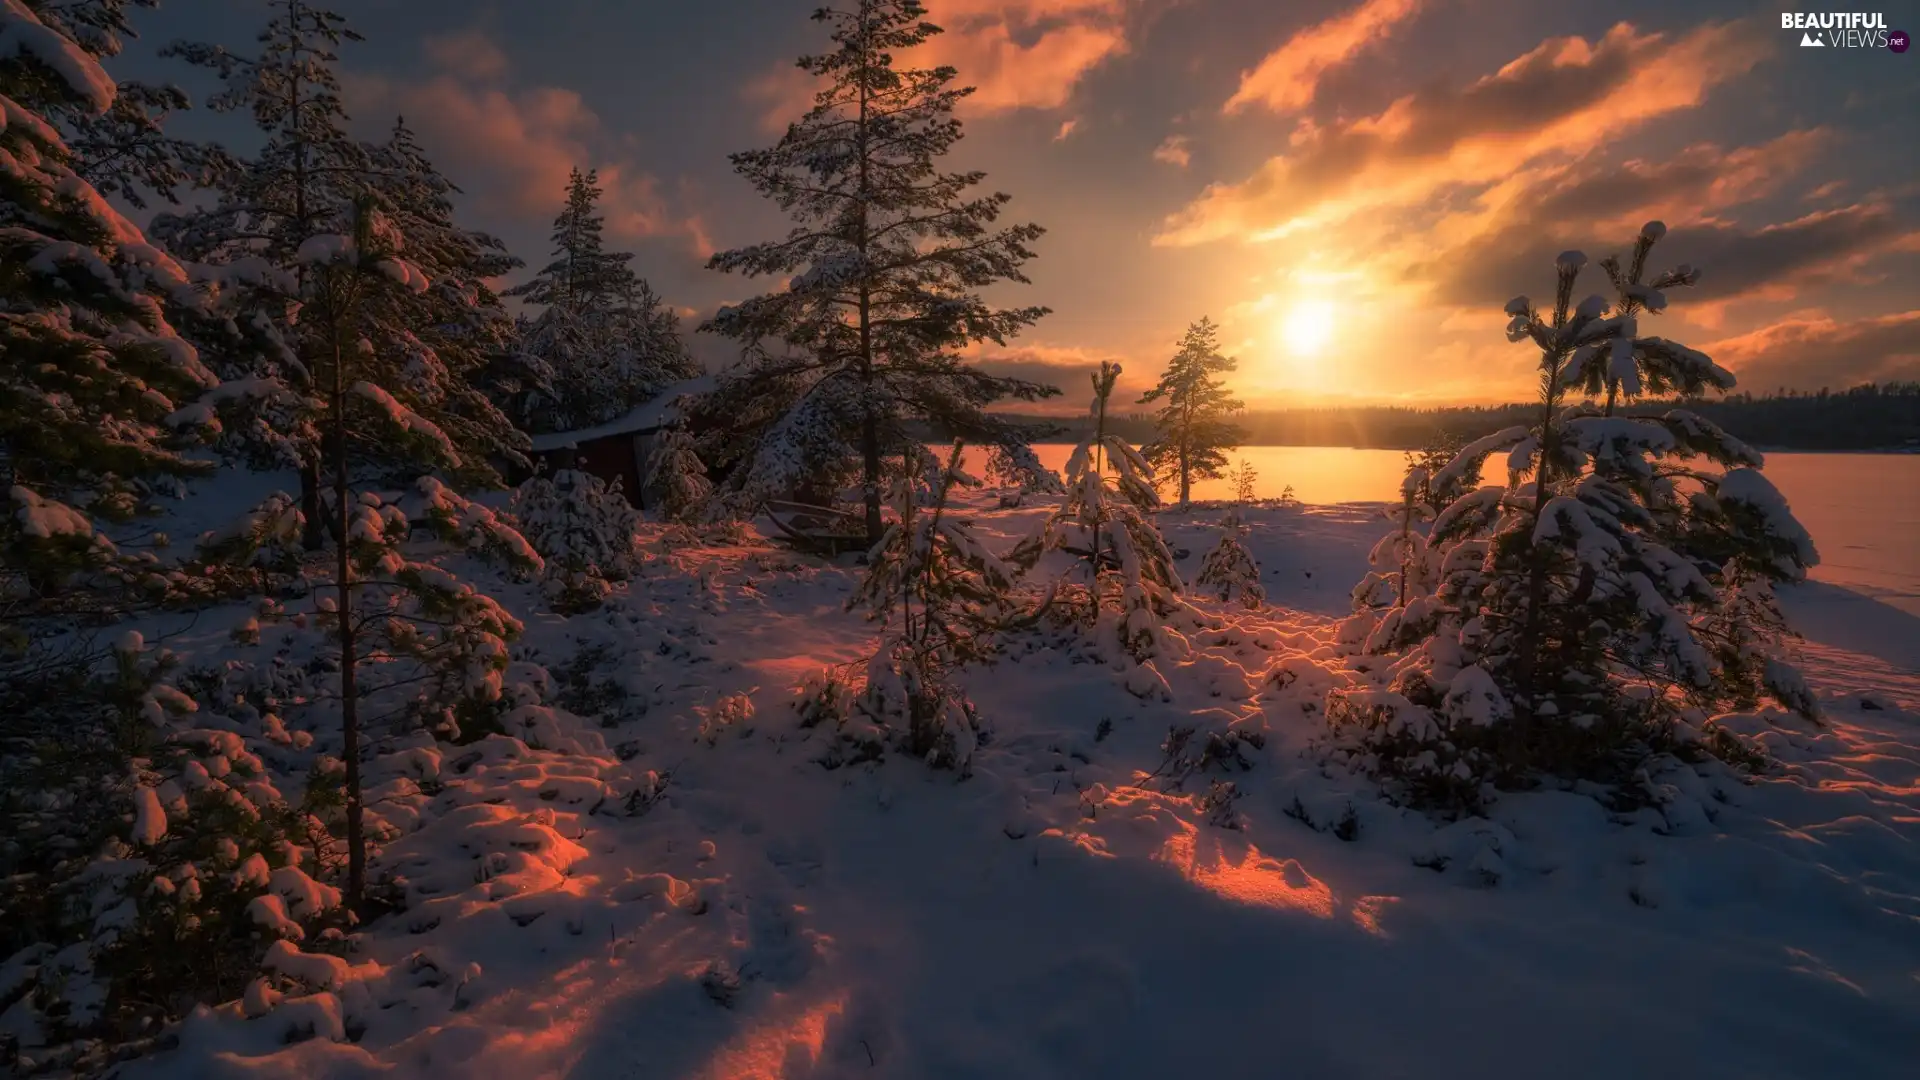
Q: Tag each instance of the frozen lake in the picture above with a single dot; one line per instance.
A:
(1863, 509)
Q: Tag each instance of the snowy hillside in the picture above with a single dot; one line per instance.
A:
(650, 873)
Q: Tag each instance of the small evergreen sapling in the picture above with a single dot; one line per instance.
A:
(942, 599)
(585, 531)
(1394, 604)
(1229, 568)
(1123, 584)
(1246, 482)
(678, 479)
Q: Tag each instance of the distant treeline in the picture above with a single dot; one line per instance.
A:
(1869, 417)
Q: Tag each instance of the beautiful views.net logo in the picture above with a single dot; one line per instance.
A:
(1844, 30)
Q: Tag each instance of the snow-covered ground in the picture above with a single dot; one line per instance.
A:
(677, 888)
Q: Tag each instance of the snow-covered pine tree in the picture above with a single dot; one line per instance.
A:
(882, 273)
(1122, 584)
(1737, 528)
(389, 610)
(92, 365)
(125, 152)
(1569, 636)
(1432, 460)
(585, 529)
(110, 932)
(605, 341)
(677, 478)
(1230, 568)
(1627, 366)
(942, 598)
(430, 345)
(1016, 470)
(1193, 426)
(1394, 604)
(148, 859)
(453, 332)
(306, 175)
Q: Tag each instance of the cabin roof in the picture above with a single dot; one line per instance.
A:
(662, 410)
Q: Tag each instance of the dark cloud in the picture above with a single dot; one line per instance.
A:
(1518, 259)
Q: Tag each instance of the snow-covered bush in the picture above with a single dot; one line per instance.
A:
(1603, 604)
(584, 529)
(1394, 603)
(1015, 470)
(1122, 582)
(1229, 568)
(678, 479)
(148, 863)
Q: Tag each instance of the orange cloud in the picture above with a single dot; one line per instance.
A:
(1016, 54)
(1808, 353)
(1564, 98)
(1066, 129)
(514, 149)
(1287, 78)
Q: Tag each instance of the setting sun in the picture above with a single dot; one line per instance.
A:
(1308, 327)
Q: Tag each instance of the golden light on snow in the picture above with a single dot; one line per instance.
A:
(1307, 326)
(1253, 878)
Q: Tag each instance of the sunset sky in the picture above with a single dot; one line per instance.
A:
(1400, 167)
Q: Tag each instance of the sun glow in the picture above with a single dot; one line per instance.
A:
(1307, 327)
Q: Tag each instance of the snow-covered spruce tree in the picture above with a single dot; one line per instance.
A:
(942, 599)
(677, 478)
(882, 273)
(92, 366)
(453, 333)
(1229, 568)
(1193, 430)
(604, 339)
(585, 529)
(389, 611)
(1568, 637)
(1122, 585)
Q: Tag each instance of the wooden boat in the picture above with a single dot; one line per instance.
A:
(819, 530)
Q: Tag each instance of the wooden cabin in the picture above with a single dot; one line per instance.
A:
(620, 449)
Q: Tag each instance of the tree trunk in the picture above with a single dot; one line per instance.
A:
(313, 531)
(349, 689)
(869, 423)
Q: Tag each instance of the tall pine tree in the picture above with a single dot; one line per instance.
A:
(1194, 431)
(605, 341)
(308, 176)
(881, 274)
